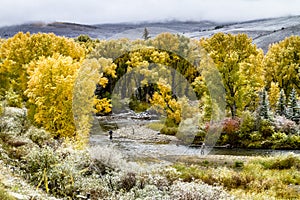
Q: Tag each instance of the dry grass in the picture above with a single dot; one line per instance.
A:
(259, 178)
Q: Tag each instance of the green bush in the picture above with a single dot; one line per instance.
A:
(156, 126)
(199, 137)
(1, 108)
(4, 195)
(38, 136)
(247, 125)
(13, 99)
(281, 162)
(138, 106)
(255, 136)
(169, 130)
(266, 128)
(294, 141)
(238, 164)
(284, 141)
(55, 171)
(40, 159)
(279, 136)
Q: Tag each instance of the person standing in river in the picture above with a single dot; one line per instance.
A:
(110, 134)
(202, 148)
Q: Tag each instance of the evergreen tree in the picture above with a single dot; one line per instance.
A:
(264, 109)
(146, 35)
(280, 107)
(293, 108)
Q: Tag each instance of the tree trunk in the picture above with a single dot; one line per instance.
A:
(233, 110)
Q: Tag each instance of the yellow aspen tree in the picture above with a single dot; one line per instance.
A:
(163, 101)
(50, 89)
(274, 92)
(282, 64)
(240, 65)
(17, 52)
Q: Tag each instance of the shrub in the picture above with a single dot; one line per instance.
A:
(149, 192)
(13, 121)
(196, 190)
(199, 137)
(279, 137)
(266, 128)
(138, 106)
(159, 180)
(40, 159)
(285, 125)
(247, 125)
(255, 136)
(128, 181)
(294, 141)
(171, 174)
(283, 141)
(38, 136)
(169, 130)
(13, 99)
(281, 162)
(188, 174)
(230, 125)
(238, 164)
(110, 158)
(4, 195)
(230, 132)
(56, 171)
(1, 108)
(156, 126)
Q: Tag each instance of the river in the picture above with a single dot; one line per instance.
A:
(138, 142)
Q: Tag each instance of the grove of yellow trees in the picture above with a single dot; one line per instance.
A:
(42, 70)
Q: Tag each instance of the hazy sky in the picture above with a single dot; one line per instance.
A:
(100, 11)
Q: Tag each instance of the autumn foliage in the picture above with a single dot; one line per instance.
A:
(41, 71)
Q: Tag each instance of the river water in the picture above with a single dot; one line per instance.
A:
(137, 149)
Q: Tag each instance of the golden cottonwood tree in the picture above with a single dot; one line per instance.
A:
(107, 72)
(163, 100)
(240, 65)
(274, 93)
(4, 82)
(111, 49)
(50, 89)
(282, 64)
(17, 52)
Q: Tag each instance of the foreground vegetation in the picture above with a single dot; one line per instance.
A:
(275, 177)
(102, 172)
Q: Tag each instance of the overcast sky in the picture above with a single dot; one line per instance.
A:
(111, 11)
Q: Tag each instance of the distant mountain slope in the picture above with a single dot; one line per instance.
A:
(263, 32)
